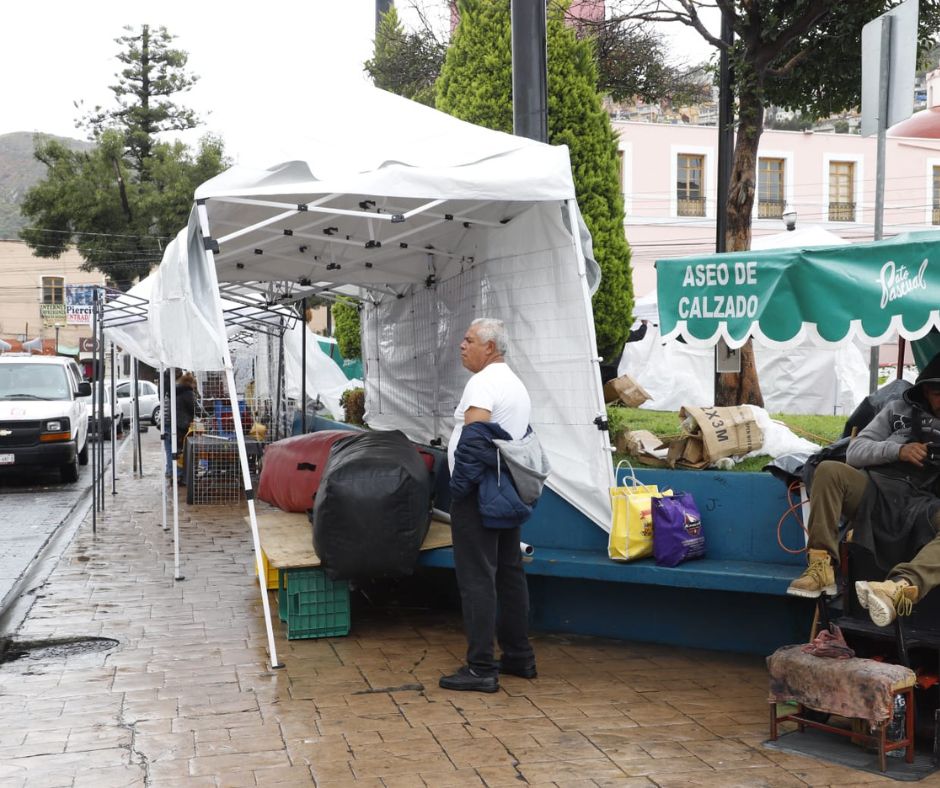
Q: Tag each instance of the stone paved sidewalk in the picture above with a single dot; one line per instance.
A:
(186, 698)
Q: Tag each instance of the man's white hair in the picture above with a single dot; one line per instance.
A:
(489, 329)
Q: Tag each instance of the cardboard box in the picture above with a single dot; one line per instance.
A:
(626, 390)
(719, 432)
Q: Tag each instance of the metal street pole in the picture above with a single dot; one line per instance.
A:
(529, 70)
(883, 99)
(725, 154)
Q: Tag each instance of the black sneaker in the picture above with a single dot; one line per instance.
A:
(519, 669)
(465, 680)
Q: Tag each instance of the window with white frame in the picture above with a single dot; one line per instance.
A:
(771, 190)
(841, 191)
(53, 290)
(690, 184)
(935, 214)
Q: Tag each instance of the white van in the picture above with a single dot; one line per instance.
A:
(43, 414)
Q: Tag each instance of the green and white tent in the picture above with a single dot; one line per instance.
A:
(868, 292)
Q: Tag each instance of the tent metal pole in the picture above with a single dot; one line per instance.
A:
(97, 373)
(112, 427)
(203, 217)
(135, 417)
(575, 226)
(883, 109)
(280, 387)
(164, 437)
(174, 474)
(303, 367)
(99, 385)
(99, 448)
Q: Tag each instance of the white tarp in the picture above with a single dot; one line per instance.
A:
(325, 379)
(807, 379)
(436, 221)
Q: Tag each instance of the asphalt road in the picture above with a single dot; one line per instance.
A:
(34, 505)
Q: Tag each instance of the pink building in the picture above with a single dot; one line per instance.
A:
(669, 185)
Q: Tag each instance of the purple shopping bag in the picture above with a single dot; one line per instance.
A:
(677, 530)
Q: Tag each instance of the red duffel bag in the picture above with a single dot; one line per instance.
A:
(292, 467)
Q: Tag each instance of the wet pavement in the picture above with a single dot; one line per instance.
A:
(34, 505)
(185, 696)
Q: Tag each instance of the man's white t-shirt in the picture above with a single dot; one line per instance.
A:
(495, 388)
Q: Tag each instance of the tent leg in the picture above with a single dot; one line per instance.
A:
(175, 477)
(163, 437)
(252, 516)
(240, 437)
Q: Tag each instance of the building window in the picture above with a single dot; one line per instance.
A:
(690, 194)
(841, 191)
(52, 306)
(770, 190)
(53, 290)
(936, 195)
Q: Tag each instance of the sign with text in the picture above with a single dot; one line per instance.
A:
(79, 300)
(834, 293)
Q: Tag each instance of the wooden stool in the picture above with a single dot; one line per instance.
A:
(853, 688)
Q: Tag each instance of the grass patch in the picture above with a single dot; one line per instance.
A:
(665, 425)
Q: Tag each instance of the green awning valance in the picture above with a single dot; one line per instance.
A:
(831, 294)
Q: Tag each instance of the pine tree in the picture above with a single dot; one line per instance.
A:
(476, 85)
(405, 63)
(120, 202)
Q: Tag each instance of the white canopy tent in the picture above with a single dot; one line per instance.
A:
(807, 379)
(131, 322)
(432, 222)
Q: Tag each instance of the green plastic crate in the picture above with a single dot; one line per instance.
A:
(312, 605)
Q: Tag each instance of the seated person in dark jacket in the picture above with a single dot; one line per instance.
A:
(887, 488)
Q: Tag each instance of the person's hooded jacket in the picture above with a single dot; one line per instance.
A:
(507, 474)
(895, 516)
(904, 420)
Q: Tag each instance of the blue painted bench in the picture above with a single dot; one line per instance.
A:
(739, 514)
(733, 599)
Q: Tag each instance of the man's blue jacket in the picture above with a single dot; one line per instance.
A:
(481, 462)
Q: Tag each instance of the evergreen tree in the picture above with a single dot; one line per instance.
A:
(120, 202)
(347, 328)
(405, 63)
(476, 85)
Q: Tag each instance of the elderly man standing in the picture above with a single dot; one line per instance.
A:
(497, 471)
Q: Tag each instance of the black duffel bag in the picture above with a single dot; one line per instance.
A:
(372, 510)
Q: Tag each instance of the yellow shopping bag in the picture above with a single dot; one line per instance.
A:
(631, 532)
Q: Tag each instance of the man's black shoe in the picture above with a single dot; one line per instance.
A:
(518, 669)
(466, 680)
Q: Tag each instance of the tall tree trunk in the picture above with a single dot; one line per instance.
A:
(743, 388)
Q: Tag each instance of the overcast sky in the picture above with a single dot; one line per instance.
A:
(58, 52)
(254, 63)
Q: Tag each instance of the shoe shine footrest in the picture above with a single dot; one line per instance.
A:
(852, 688)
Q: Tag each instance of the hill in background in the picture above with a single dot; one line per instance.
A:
(18, 172)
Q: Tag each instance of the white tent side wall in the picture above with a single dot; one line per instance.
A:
(414, 378)
(186, 308)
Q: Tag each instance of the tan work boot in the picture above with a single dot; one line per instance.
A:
(887, 600)
(818, 578)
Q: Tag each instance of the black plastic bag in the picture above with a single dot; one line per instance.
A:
(372, 510)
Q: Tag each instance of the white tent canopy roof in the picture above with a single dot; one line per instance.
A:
(433, 222)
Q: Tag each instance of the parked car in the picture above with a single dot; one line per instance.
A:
(107, 416)
(43, 414)
(148, 396)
